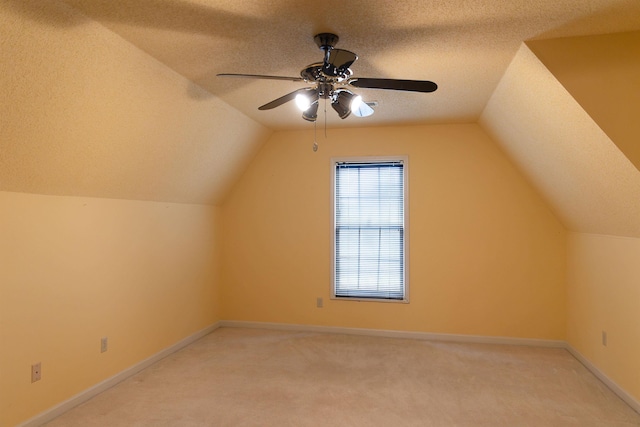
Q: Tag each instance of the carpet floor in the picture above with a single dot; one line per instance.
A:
(255, 377)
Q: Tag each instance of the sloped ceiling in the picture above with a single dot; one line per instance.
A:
(589, 181)
(602, 73)
(84, 113)
(464, 46)
(118, 98)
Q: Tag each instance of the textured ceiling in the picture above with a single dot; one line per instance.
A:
(86, 112)
(602, 72)
(464, 46)
(590, 183)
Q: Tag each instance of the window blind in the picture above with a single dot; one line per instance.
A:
(369, 230)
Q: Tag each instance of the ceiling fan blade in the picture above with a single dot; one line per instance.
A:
(394, 84)
(260, 76)
(338, 61)
(286, 98)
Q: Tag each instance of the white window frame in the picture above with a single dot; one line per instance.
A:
(371, 159)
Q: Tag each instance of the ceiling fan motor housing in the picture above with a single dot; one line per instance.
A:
(326, 41)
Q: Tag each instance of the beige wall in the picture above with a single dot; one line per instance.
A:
(487, 257)
(82, 108)
(74, 270)
(84, 113)
(603, 295)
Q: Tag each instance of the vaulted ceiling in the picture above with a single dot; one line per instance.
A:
(587, 179)
(556, 83)
(464, 46)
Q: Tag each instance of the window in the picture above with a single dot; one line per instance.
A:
(369, 229)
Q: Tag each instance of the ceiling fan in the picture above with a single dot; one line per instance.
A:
(331, 80)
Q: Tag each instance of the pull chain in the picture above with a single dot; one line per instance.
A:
(325, 118)
(315, 128)
(315, 143)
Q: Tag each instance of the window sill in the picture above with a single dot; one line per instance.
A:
(356, 299)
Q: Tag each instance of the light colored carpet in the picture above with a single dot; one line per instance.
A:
(251, 377)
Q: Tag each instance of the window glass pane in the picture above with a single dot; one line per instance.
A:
(369, 226)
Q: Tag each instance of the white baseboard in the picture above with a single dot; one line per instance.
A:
(396, 334)
(622, 394)
(93, 391)
(82, 397)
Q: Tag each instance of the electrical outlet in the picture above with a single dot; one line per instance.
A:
(604, 338)
(104, 344)
(36, 372)
(319, 302)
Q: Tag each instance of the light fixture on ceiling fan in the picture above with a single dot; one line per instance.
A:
(343, 101)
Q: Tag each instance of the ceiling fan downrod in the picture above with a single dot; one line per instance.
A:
(326, 42)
